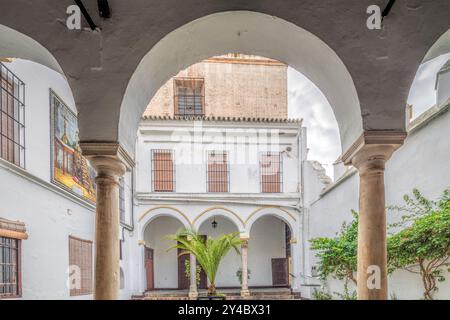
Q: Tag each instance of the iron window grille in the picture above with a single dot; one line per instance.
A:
(217, 171)
(80, 255)
(122, 199)
(189, 97)
(163, 171)
(12, 117)
(10, 268)
(271, 172)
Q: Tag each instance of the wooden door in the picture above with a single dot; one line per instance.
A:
(183, 280)
(149, 268)
(280, 272)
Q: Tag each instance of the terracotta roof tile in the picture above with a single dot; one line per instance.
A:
(220, 118)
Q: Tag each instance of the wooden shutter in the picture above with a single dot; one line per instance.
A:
(189, 97)
(80, 254)
(280, 272)
(217, 172)
(8, 122)
(270, 170)
(163, 171)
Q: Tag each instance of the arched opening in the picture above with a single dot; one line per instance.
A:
(270, 259)
(14, 44)
(248, 33)
(215, 226)
(430, 88)
(163, 268)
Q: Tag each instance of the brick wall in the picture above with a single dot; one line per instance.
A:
(235, 85)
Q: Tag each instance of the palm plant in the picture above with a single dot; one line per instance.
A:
(209, 253)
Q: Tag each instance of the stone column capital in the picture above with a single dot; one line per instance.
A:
(107, 166)
(107, 155)
(373, 149)
(372, 158)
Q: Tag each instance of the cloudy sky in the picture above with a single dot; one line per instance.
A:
(307, 101)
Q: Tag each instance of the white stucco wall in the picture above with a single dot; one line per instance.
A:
(423, 163)
(50, 214)
(244, 141)
(443, 88)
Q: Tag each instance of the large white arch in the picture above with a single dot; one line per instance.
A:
(14, 44)
(249, 33)
(441, 46)
(279, 213)
(221, 212)
(161, 211)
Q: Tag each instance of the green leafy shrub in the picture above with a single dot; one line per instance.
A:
(422, 246)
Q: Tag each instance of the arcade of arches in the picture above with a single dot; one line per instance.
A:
(115, 71)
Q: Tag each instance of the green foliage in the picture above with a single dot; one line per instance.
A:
(187, 271)
(422, 246)
(347, 294)
(337, 256)
(209, 253)
(419, 243)
(321, 295)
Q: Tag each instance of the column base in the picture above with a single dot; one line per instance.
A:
(245, 293)
(193, 294)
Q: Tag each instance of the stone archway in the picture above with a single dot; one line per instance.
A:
(226, 275)
(249, 33)
(164, 268)
(381, 63)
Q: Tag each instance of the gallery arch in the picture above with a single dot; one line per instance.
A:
(366, 84)
(164, 269)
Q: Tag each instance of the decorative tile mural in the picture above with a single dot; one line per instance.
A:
(70, 169)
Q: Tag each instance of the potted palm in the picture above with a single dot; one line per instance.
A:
(209, 253)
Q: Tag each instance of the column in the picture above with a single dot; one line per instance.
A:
(244, 256)
(372, 248)
(295, 260)
(107, 265)
(369, 155)
(193, 293)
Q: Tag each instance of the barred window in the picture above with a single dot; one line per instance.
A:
(10, 272)
(271, 175)
(217, 171)
(12, 117)
(122, 199)
(80, 260)
(163, 171)
(189, 97)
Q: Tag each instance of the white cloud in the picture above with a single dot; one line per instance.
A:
(306, 101)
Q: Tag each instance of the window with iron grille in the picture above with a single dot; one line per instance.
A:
(10, 285)
(12, 117)
(271, 175)
(122, 199)
(163, 171)
(189, 97)
(217, 174)
(80, 257)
